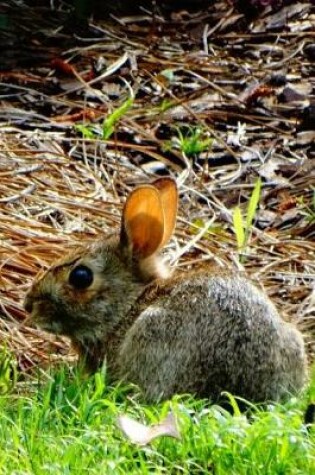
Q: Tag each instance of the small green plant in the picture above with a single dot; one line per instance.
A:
(88, 131)
(242, 227)
(190, 141)
(111, 120)
(92, 131)
(166, 104)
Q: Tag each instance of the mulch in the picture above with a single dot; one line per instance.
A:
(244, 87)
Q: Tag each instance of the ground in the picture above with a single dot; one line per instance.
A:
(212, 97)
(222, 100)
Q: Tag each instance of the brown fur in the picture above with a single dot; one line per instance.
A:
(203, 334)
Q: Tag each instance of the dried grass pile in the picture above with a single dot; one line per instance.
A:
(58, 189)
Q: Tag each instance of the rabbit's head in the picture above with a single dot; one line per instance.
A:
(88, 293)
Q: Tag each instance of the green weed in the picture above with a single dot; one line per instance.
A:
(190, 141)
(242, 226)
(165, 105)
(106, 130)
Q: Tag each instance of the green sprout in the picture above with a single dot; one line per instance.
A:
(191, 141)
(90, 131)
(112, 119)
(165, 105)
(242, 226)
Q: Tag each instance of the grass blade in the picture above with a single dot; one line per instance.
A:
(253, 204)
(239, 227)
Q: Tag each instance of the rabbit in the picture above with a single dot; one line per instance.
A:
(201, 333)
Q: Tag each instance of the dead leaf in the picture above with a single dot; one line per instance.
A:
(254, 92)
(286, 219)
(297, 92)
(141, 434)
(266, 218)
(268, 171)
(280, 18)
(306, 137)
(287, 201)
(62, 66)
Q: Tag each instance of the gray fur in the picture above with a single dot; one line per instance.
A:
(213, 334)
(201, 334)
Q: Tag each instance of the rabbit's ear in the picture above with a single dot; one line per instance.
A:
(143, 221)
(169, 199)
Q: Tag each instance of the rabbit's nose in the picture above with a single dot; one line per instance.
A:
(28, 304)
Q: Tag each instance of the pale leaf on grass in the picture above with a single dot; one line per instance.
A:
(141, 434)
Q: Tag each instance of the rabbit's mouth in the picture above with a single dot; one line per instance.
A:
(44, 316)
(51, 316)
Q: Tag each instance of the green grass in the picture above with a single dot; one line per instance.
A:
(68, 425)
(243, 226)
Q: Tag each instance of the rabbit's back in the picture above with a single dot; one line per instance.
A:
(203, 334)
(209, 334)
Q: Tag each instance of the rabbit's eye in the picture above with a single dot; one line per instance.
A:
(81, 277)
